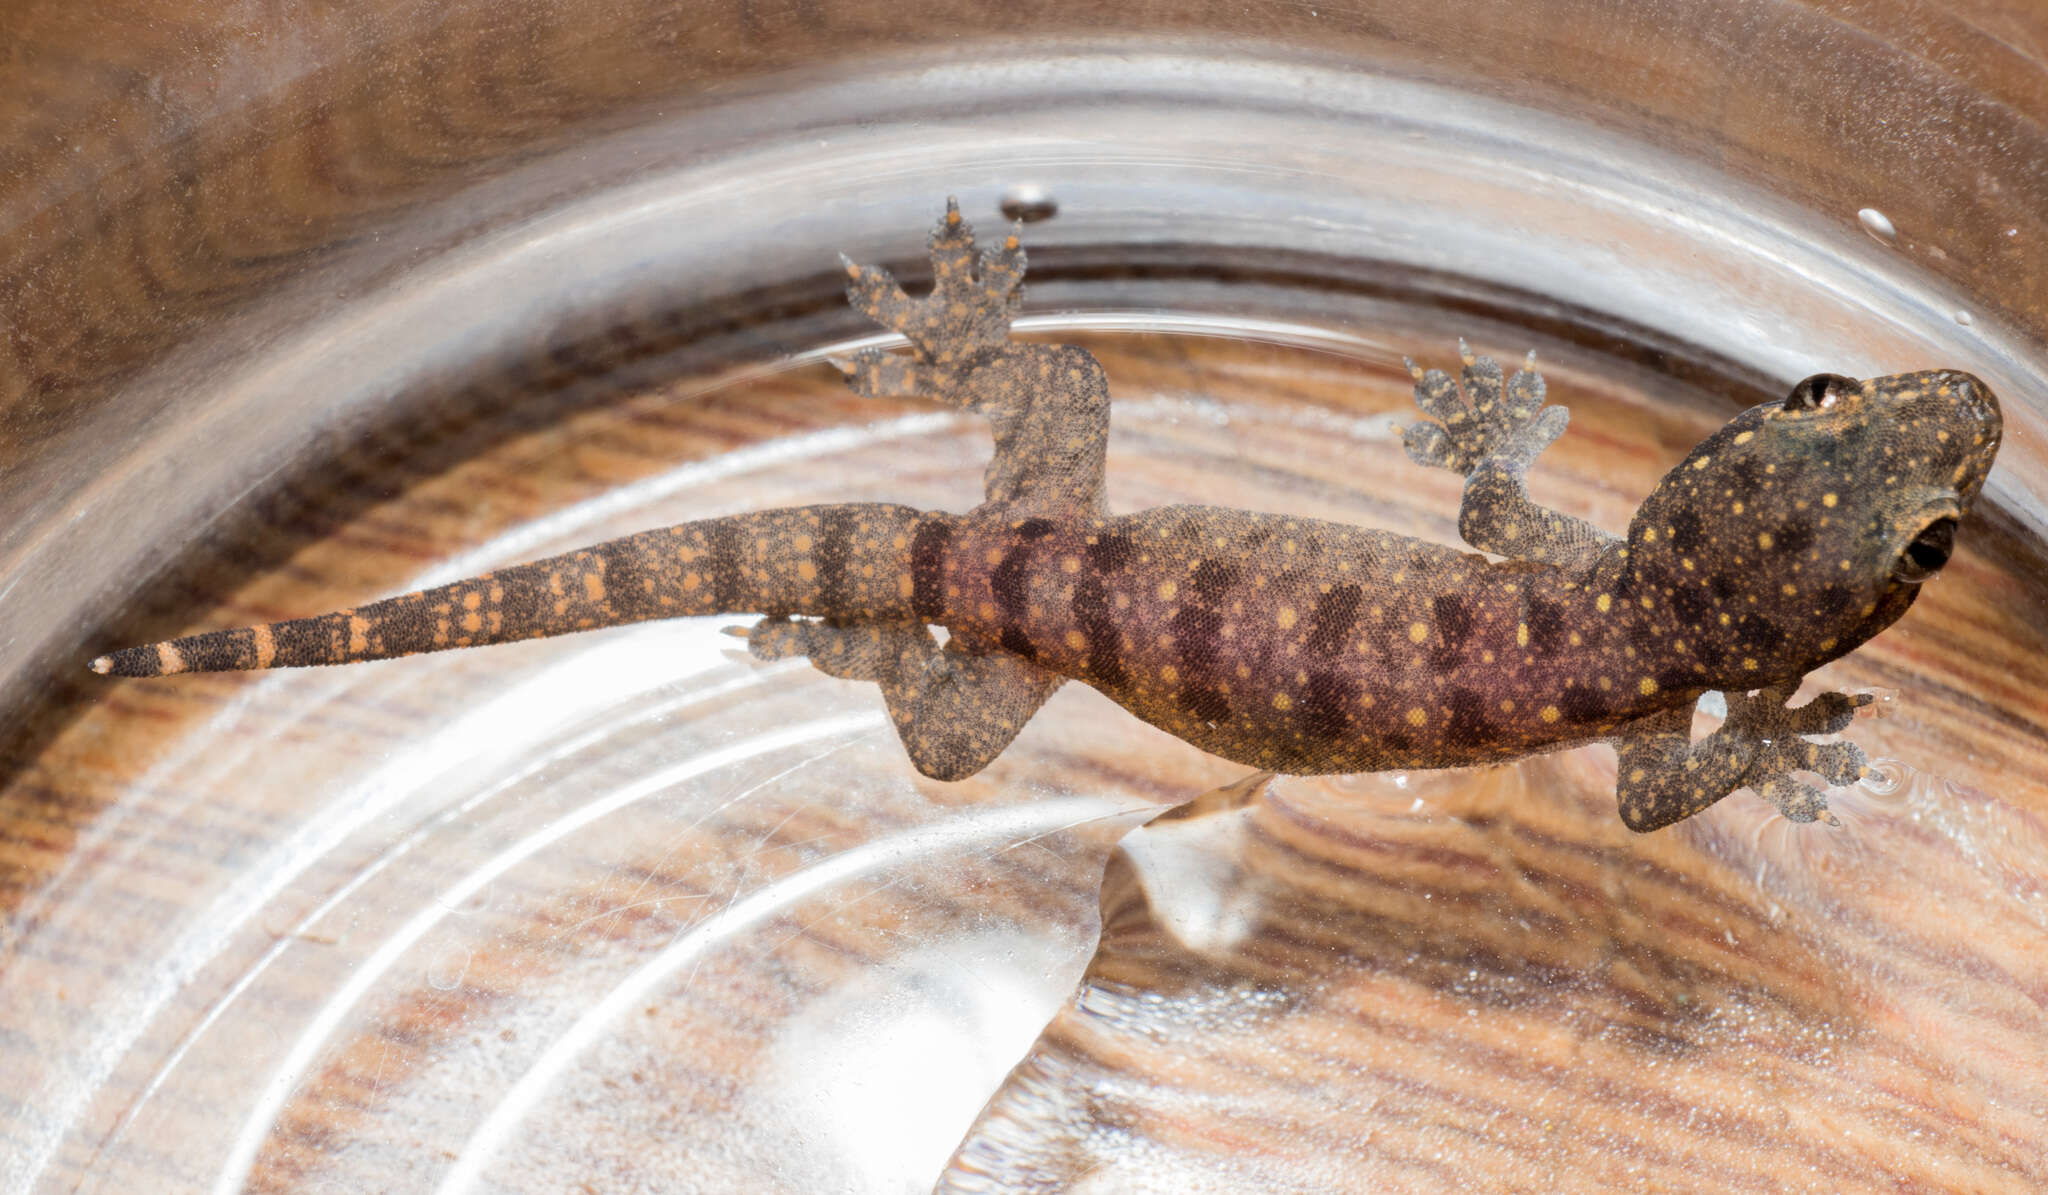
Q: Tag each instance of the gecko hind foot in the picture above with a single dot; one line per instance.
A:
(1047, 405)
(974, 295)
(1492, 417)
(954, 710)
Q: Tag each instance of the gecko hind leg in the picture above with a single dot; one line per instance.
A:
(1664, 777)
(1048, 405)
(1491, 429)
(955, 710)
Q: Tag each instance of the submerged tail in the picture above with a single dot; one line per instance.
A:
(867, 562)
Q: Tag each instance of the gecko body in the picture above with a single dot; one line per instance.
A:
(1293, 645)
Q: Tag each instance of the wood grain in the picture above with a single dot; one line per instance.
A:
(1472, 978)
(1494, 987)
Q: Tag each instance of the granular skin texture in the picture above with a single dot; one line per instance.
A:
(1292, 645)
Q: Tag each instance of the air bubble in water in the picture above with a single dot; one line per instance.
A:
(1029, 203)
(1877, 224)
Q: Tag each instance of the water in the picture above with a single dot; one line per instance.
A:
(625, 904)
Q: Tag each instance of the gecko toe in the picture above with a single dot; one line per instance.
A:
(1796, 799)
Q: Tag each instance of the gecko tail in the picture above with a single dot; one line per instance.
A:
(850, 562)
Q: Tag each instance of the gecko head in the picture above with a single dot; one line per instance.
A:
(1807, 525)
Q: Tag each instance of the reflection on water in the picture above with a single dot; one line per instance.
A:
(625, 906)
(1487, 983)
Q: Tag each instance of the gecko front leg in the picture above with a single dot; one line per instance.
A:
(1491, 434)
(1665, 777)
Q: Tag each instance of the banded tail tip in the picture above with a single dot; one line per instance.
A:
(155, 659)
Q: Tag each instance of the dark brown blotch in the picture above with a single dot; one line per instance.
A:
(1098, 631)
(1011, 582)
(928, 569)
(833, 551)
(1583, 703)
(1466, 722)
(1329, 625)
(722, 564)
(1453, 617)
(1015, 641)
(1547, 629)
(1110, 553)
(1326, 703)
(1213, 580)
(1210, 705)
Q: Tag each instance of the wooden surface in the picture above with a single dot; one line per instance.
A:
(1469, 978)
(1474, 979)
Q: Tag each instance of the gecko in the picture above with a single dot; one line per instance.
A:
(1293, 645)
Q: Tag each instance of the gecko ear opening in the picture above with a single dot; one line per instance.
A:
(1820, 392)
(1927, 553)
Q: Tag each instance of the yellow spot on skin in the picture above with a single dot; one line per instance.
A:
(1749, 663)
(472, 600)
(1417, 718)
(1646, 686)
(993, 556)
(1549, 713)
(1070, 564)
(1702, 462)
(1828, 499)
(1286, 617)
(801, 543)
(1169, 674)
(1417, 632)
(1507, 705)
(987, 612)
(266, 643)
(472, 622)
(1764, 540)
(1603, 603)
(1637, 775)
(1167, 590)
(692, 581)
(1737, 508)
(1282, 701)
(1076, 640)
(1744, 437)
(905, 586)
(1521, 634)
(806, 570)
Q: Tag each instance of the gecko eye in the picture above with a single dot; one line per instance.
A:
(1927, 553)
(1821, 391)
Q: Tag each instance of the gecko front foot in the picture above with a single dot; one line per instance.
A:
(1491, 418)
(1777, 734)
(1665, 777)
(1491, 433)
